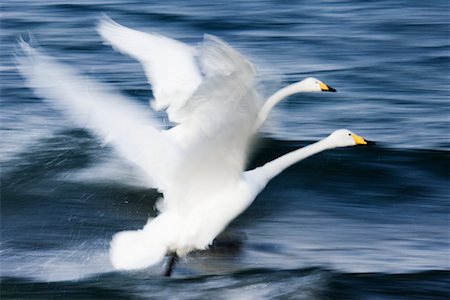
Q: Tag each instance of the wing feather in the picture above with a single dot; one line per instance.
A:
(170, 65)
(126, 125)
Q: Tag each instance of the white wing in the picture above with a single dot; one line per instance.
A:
(169, 65)
(225, 103)
(228, 79)
(221, 115)
(126, 125)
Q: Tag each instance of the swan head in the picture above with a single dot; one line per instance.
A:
(346, 138)
(312, 84)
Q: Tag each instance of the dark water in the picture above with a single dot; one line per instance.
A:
(359, 223)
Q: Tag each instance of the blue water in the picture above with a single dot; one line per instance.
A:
(359, 223)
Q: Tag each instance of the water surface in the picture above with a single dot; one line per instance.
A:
(359, 223)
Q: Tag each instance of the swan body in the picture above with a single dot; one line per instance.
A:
(199, 163)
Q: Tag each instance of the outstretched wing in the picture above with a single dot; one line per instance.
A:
(127, 126)
(170, 65)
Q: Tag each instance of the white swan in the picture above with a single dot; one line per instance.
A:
(209, 90)
(180, 231)
(175, 75)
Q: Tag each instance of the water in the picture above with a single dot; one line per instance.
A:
(359, 223)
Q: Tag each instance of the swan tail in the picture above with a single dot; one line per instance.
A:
(137, 249)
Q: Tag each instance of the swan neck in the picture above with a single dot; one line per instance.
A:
(274, 99)
(271, 169)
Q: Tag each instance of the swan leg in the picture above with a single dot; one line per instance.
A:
(171, 265)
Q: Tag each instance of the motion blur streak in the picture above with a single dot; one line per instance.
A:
(348, 224)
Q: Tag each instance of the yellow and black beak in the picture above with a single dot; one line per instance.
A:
(361, 141)
(326, 88)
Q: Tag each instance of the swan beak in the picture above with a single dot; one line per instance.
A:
(326, 88)
(361, 141)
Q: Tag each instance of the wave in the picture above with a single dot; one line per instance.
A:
(305, 283)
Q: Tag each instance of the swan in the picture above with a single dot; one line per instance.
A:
(174, 74)
(179, 232)
(201, 89)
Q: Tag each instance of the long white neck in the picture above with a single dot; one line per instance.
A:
(260, 176)
(277, 97)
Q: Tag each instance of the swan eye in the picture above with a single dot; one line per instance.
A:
(349, 134)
